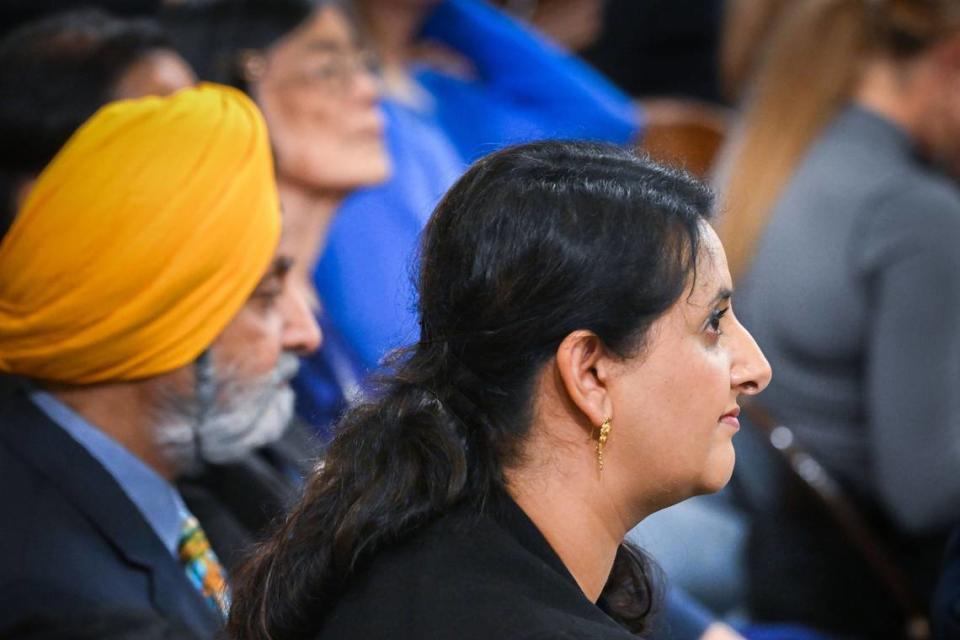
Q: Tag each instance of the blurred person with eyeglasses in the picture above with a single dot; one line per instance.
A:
(460, 79)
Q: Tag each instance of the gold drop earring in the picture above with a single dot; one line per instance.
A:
(604, 431)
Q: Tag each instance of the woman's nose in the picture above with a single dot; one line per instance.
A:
(751, 371)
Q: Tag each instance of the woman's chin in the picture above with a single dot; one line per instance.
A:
(349, 176)
(718, 473)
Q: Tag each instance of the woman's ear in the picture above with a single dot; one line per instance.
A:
(584, 367)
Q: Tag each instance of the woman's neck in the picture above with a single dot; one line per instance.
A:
(579, 521)
(306, 219)
(895, 91)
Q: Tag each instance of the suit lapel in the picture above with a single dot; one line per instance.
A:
(58, 457)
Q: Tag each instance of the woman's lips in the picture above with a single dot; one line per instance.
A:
(731, 418)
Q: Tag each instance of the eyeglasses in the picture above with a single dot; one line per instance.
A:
(337, 69)
(333, 69)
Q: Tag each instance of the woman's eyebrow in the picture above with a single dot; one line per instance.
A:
(723, 295)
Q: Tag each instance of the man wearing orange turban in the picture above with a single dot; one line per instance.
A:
(142, 297)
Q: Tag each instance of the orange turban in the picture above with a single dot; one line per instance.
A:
(140, 241)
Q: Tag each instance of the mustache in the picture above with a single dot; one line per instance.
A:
(229, 386)
(286, 370)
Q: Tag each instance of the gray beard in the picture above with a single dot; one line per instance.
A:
(225, 418)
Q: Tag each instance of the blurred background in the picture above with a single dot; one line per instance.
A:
(830, 130)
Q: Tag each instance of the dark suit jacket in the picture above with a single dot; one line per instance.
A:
(946, 602)
(469, 577)
(71, 540)
(236, 502)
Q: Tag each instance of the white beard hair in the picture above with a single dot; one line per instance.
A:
(241, 416)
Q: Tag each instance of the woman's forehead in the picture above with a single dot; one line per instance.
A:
(712, 280)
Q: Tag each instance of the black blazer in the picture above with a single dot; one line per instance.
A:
(469, 577)
(70, 539)
(946, 602)
(236, 502)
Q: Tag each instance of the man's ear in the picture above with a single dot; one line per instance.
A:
(22, 190)
(584, 367)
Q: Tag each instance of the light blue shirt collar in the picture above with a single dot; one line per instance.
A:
(158, 501)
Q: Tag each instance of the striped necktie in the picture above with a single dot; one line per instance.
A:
(202, 567)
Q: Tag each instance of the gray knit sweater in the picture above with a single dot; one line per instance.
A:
(854, 296)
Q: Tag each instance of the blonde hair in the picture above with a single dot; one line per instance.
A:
(746, 29)
(810, 68)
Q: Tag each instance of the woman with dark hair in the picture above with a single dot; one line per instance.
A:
(577, 369)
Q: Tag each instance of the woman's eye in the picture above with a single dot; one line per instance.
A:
(713, 323)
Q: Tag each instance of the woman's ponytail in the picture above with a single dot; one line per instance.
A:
(414, 467)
